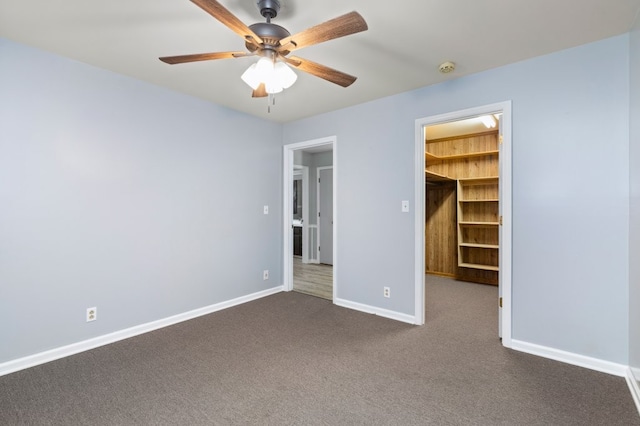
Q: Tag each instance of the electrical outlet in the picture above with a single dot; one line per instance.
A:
(265, 209)
(265, 274)
(92, 314)
(387, 292)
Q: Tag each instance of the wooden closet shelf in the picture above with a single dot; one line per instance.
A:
(478, 266)
(486, 200)
(490, 180)
(475, 245)
(433, 157)
(437, 177)
(487, 224)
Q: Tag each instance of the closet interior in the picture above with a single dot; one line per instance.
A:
(462, 175)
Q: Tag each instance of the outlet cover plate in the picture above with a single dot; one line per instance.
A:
(92, 314)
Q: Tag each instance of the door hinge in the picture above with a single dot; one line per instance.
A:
(500, 139)
(500, 220)
(318, 249)
(318, 180)
(500, 302)
(318, 214)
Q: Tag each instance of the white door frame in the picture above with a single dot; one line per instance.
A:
(318, 169)
(505, 202)
(287, 184)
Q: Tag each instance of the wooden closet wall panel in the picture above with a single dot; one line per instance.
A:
(440, 230)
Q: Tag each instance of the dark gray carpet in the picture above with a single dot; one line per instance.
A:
(292, 359)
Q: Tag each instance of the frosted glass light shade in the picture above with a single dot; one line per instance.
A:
(265, 69)
(285, 74)
(250, 76)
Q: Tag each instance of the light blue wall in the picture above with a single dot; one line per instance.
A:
(118, 194)
(634, 219)
(570, 193)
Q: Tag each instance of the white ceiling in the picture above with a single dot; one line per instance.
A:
(401, 51)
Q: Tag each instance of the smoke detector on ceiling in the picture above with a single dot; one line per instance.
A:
(447, 67)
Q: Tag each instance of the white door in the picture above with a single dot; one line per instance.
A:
(325, 215)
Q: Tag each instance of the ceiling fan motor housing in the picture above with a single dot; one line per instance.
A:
(271, 34)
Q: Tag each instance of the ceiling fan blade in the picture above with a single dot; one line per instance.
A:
(341, 26)
(172, 60)
(329, 74)
(218, 11)
(260, 92)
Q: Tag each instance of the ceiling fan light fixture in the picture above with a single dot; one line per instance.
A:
(276, 77)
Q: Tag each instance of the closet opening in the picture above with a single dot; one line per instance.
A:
(464, 239)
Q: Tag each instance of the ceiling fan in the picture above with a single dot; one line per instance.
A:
(273, 43)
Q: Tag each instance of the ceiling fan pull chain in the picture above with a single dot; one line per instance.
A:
(271, 101)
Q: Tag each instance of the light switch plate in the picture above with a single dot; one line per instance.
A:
(405, 206)
(266, 209)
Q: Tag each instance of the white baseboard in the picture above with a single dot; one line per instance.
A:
(633, 381)
(85, 345)
(571, 358)
(376, 311)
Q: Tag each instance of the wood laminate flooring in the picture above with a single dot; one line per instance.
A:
(313, 279)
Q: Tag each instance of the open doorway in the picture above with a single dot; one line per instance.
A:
(463, 163)
(309, 194)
